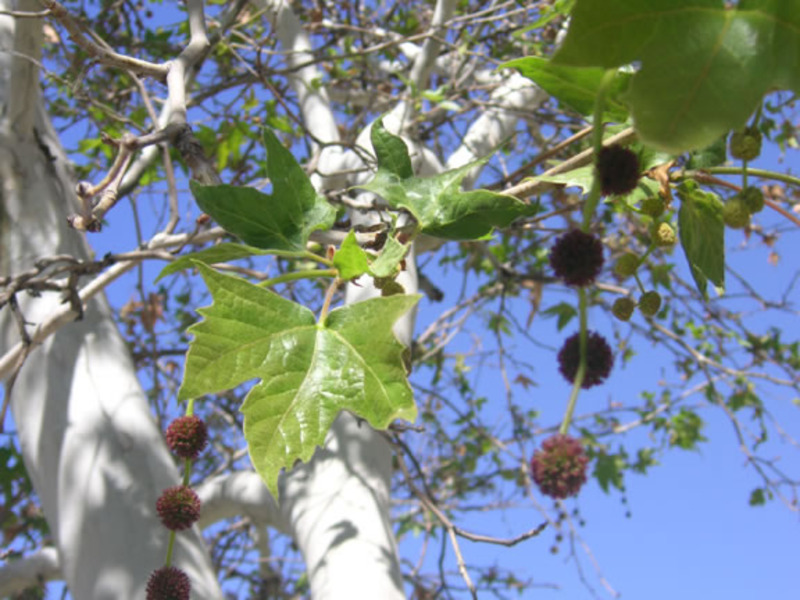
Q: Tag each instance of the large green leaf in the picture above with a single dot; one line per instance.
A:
(437, 203)
(281, 221)
(702, 235)
(308, 372)
(704, 67)
(575, 87)
(443, 210)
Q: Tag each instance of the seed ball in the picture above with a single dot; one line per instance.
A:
(559, 466)
(735, 213)
(577, 258)
(618, 170)
(753, 198)
(187, 436)
(178, 507)
(665, 235)
(623, 308)
(745, 144)
(599, 359)
(650, 303)
(168, 583)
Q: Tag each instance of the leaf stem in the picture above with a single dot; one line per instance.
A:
(761, 173)
(581, 372)
(296, 275)
(326, 305)
(597, 144)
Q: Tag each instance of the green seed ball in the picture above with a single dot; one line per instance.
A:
(735, 213)
(653, 206)
(665, 235)
(745, 143)
(623, 308)
(753, 198)
(626, 265)
(649, 303)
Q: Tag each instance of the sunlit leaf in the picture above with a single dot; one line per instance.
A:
(308, 372)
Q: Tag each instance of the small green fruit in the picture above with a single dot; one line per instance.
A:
(626, 265)
(652, 206)
(665, 235)
(753, 198)
(649, 303)
(623, 308)
(735, 213)
(746, 143)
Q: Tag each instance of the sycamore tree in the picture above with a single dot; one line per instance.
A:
(326, 219)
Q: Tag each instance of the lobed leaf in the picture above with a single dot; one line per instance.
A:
(281, 221)
(308, 372)
(439, 205)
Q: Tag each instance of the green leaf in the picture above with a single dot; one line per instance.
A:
(308, 372)
(564, 311)
(392, 253)
(685, 428)
(442, 209)
(757, 497)
(391, 151)
(710, 156)
(350, 260)
(704, 67)
(702, 235)
(220, 253)
(437, 203)
(608, 470)
(575, 87)
(281, 221)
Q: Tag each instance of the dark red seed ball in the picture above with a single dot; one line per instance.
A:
(168, 583)
(187, 436)
(178, 507)
(577, 257)
(599, 359)
(618, 170)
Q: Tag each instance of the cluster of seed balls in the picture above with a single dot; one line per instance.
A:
(178, 507)
(559, 466)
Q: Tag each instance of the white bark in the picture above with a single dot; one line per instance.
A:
(95, 456)
(28, 571)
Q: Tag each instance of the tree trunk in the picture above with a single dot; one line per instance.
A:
(92, 449)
